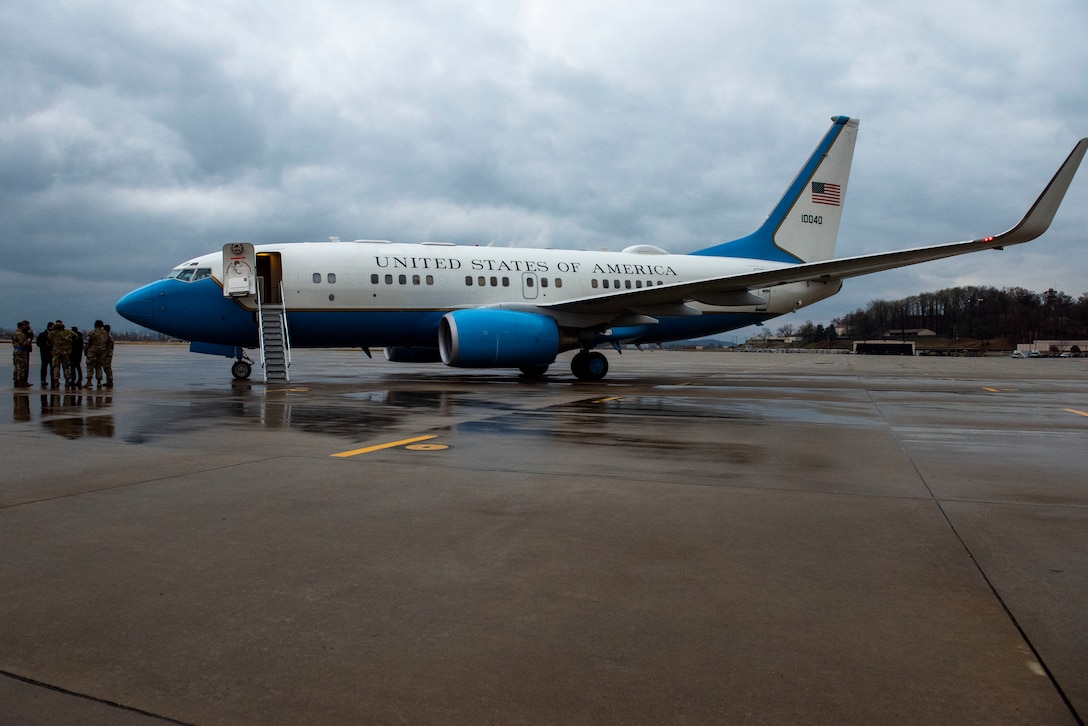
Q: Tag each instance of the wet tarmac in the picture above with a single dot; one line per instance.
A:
(700, 538)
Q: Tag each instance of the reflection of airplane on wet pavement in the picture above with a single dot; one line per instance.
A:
(486, 307)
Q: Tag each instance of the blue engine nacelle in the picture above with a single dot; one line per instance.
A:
(485, 338)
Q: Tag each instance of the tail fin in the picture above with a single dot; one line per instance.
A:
(804, 224)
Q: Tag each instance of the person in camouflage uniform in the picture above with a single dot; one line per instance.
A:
(22, 340)
(107, 361)
(60, 341)
(96, 354)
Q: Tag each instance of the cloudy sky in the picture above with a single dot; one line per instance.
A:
(134, 136)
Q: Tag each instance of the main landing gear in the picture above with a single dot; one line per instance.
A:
(589, 365)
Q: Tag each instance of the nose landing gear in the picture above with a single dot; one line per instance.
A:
(241, 369)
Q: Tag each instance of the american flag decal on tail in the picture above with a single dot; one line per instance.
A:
(824, 193)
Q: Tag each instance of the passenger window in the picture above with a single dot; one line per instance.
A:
(481, 281)
(506, 282)
(638, 284)
(388, 279)
(317, 278)
(403, 279)
(558, 282)
(543, 282)
(528, 282)
(415, 279)
(430, 279)
(332, 277)
(374, 279)
(627, 284)
(494, 282)
(593, 283)
(468, 280)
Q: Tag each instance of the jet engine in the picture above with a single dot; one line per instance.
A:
(487, 338)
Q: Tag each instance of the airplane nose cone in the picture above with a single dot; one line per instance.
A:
(136, 306)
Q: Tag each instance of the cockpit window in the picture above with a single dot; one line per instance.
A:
(189, 274)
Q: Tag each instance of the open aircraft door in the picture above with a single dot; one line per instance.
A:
(269, 277)
(239, 269)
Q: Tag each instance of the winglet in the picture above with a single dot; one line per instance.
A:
(1041, 214)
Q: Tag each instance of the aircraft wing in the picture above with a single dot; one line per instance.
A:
(735, 287)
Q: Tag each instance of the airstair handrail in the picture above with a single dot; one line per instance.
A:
(260, 327)
(286, 333)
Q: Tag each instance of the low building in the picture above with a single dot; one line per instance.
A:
(910, 333)
(884, 347)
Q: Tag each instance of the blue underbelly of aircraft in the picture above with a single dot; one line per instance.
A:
(322, 329)
(319, 329)
(198, 311)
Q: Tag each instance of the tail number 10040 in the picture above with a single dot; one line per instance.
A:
(811, 219)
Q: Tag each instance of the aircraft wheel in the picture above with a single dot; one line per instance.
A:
(241, 370)
(589, 366)
(537, 371)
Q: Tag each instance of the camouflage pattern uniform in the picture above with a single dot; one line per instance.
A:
(107, 359)
(96, 353)
(21, 344)
(60, 341)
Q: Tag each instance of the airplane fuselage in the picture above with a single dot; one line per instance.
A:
(374, 294)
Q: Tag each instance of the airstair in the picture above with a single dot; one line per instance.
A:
(275, 341)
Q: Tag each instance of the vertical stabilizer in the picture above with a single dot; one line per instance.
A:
(804, 224)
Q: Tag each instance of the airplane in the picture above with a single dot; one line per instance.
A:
(488, 307)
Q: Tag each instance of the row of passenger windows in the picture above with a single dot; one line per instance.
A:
(191, 275)
(376, 279)
(627, 284)
(482, 281)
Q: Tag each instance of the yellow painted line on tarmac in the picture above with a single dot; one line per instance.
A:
(610, 398)
(1079, 413)
(379, 447)
(991, 390)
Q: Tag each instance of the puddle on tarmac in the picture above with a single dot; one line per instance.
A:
(352, 415)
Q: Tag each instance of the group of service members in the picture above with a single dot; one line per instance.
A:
(62, 350)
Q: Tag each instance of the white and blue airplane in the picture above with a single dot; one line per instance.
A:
(488, 307)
